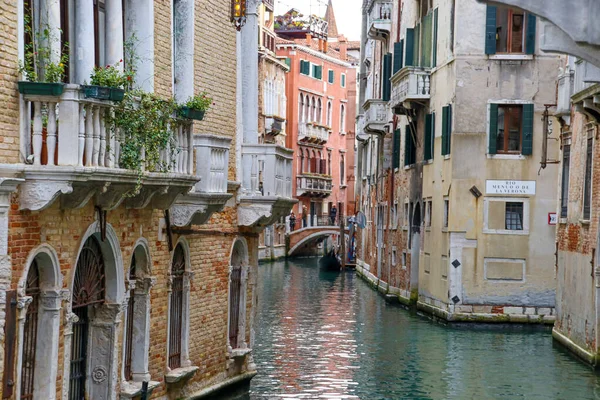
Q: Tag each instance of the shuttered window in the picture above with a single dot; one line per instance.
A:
(416, 44)
(304, 67)
(426, 40)
(409, 60)
(386, 84)
(410, 149)
(566, 166)
(509, 31)
(398, 56)
(343, 80)
(435, 38)
(331, 77)
(587, 185)
(288, 62)
(317, 72)
(511, 129)
(429, 137)
(396, 153)
(446, 129)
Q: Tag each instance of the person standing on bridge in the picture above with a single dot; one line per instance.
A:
(304, 215)
(292, 221)
(332, 214)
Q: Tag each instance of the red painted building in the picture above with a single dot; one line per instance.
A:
(321, 97)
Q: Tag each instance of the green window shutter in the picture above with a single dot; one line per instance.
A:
(387, 74)
(426, 40)
(427, 155)
(417, 41)
(331, 76)
(398, 48)
(449, 134)
(493, 129)
(530, 34)
(409, 60)
(320, 72)
(444, 130)
(407, 145)
(490, 30)
(288, 62)
(304, 67)
(344, 80)
(435, 38)
(396, 155)
(527, 146)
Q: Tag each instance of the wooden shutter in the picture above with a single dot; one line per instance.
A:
(527, 146)
(320, 72)
(407, 145)
(449, 133)
(387, 75)
(10, 338)
(288, 62)
(398, 49)
(426, 40)
(409, 60)
(435, 38)
(490, 30)
(493, 129)
(396, 152)
(530, 34)
(445, 130)
(429, 136)
(331, 76)
(417, 41)
(343, 80)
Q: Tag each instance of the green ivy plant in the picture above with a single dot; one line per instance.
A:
(37, 65)
(200, 102)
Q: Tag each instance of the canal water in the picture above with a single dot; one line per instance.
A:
(324, 335)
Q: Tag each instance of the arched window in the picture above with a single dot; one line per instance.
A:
(329, 163)
(329, 113)
(238, 276)
(342, 170)
(301, 110)
(30, 332)
(342, 119)
(88, 290)
(313, 162)
(301, 164)
(319, 111)
(313, 109)
(176, 308)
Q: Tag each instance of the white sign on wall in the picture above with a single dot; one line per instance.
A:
(509, 187)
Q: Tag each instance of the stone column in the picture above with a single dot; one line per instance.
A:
(46, 363)
(85, 45)
(50, 19)
(141, 329)
(183, 41)
(114, 32)
(249, 36)
(140, 24)
(22, 305)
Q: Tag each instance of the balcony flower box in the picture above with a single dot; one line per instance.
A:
(103, 92)
(191, 113)
(41, 88)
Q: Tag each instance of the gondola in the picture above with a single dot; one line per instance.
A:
(330, 261)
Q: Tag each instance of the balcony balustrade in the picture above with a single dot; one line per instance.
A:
(410, 84)
(312, 132)
(313, 185)
(565, 91)
(274, 125)
(586, 96)
(71, 154)
(266, 183)
(380, 19)
(377, 115)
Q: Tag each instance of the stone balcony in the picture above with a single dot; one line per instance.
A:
(266, 185)
(274, 125)
(314, 185)
(376, 117)
(586, 90)
(74, 158)
(311, 132)
(565, 91)
(408, 85)
(379, 19)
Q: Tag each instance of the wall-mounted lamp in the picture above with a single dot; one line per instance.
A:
(475, 192)
(238, 13)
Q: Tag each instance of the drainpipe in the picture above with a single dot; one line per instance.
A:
(363, 69)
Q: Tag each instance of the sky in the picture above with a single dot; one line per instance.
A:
(347, 13)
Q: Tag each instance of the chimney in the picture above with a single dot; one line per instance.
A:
(308, 39)
(325, 46)
(343, 48)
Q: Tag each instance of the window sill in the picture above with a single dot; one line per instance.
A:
(584, 221)
(180, 374)
(506, 232)
(506, 157)
(428, 229)
(407, 167)
(446, 157)
(131, 389)
(445, 230)
(562, 221)
(511, 57)
(428, 162)
(343, 186)
(239, 353)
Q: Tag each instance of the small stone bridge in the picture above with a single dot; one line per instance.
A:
(298, 239)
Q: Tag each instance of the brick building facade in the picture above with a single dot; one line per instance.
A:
(110, 276)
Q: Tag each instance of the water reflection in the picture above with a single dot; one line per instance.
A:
(326, 335)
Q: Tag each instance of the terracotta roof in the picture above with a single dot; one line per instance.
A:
(352, 45)
(332, 52)
(330, 18)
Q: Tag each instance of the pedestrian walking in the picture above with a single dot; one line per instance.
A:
(332, 215)
(304, 215)
(292, 221)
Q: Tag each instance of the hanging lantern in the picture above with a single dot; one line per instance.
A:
(238, 13)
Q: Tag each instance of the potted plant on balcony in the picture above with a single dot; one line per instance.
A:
(108, 83)
(42, 67)
(196, 107)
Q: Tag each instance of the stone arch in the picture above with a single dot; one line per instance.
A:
(238, 280)
(313, 236)
(38, 319)
(136, 333)
(101, 358)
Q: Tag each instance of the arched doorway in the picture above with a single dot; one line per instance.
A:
(238, 276)
(89, 289)
(415, 248)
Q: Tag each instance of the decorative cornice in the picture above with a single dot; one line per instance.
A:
(316, 53)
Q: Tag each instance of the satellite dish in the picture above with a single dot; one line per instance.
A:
(361, 220)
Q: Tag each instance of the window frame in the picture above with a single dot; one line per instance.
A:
(565, 178)
(588, 176)
(330, 76)
(509, 33)
(525, 221)
(507, 117)
(446, 220)
(343, 80)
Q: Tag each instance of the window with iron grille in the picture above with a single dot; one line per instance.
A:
(129, 327)
(514, 216)
(587, 189)
(235, 287)
(564, 199)
(30, 332)
(88, 290)
(176, 310)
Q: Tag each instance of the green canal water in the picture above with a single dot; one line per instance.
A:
(323, 335)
